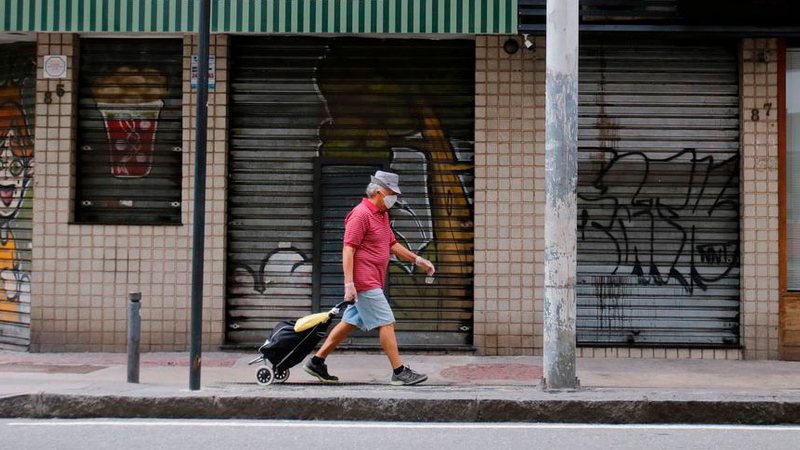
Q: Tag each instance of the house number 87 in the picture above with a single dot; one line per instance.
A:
(755, 112)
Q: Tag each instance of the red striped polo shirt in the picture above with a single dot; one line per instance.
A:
(368, 231)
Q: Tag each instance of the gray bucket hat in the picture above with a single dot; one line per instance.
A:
(388, 180)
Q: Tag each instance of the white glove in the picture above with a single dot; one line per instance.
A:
(425, 264)
(350, 292)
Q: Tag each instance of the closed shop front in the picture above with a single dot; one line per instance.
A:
(17, 108)
(658, 225)
(311, 119)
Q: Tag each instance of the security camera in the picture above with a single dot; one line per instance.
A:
(528, 43)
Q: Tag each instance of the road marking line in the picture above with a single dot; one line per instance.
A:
(404, 425)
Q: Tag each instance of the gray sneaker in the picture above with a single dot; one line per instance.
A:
(320, 371)
(408, 377)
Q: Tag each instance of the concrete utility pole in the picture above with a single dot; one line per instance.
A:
(561, 180)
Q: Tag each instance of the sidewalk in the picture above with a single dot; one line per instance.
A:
(460, 388)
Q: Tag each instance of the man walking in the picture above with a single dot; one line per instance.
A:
(368, 242)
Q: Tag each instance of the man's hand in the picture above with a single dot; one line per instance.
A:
(350, 292)
(426, 265)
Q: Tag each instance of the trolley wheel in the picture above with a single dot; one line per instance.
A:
(281, 376)
(265, 376)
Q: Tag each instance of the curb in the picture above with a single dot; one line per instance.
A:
(408, 410)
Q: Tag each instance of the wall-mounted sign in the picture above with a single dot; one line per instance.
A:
(55, 66)
(212, 71)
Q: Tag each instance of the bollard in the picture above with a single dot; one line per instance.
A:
(134, 331)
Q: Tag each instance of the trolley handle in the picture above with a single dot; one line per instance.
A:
(336, 309)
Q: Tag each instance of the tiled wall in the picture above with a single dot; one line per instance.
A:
(83, 273)
(659, 353)
(509, 197)
(759, 191)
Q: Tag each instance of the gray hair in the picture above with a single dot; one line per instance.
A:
(373, 189)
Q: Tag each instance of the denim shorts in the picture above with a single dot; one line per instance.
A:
(370, 311)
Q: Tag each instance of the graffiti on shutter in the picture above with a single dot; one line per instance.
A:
(17, 106)
(356, 104)
(658, 225)
(129, 152)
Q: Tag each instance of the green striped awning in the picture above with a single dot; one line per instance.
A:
(262, 16)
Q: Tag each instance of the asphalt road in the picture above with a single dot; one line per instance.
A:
(19, 434)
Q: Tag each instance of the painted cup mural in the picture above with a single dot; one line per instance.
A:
(129, 132)
(130, 101)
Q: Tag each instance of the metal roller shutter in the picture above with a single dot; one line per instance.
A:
(276, 112)
(311, 120)
(658, 225)
(129, 132)
(17, 109)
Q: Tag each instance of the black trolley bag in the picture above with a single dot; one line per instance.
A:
(286, 348)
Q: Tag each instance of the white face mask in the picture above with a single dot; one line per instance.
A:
(389, 201)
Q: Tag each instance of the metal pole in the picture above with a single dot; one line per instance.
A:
(561, 209)
(134, 333)
(198, 222)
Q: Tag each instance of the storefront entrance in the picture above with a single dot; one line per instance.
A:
(658, 224)
(311, 119)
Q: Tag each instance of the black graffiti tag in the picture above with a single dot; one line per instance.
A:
(655, 213)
